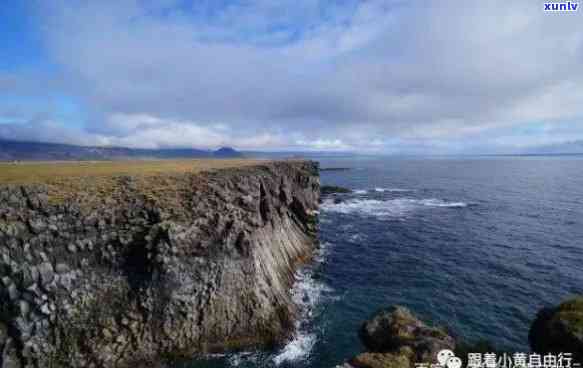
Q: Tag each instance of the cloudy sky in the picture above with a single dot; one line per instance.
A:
(388, 76)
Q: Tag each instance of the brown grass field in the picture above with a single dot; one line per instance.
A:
(94, 182)
(40, 172)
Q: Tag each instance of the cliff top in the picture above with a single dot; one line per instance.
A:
(91, 182)
(53, 172)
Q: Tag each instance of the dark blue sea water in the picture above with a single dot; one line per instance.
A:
(476, 244)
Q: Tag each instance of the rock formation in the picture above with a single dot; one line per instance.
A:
(559, 329)
(332, 189)
(395, 338)
(168, 267)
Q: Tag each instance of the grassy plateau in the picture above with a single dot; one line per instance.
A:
(46, 172)
(96, 181)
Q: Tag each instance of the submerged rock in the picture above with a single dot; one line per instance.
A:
(332, 189)
(335, 169)
(559, 329)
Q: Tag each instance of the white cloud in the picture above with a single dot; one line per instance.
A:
(141, 131)
(308, 73)
(324, 144)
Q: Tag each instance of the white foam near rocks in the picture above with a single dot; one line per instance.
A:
(397, 207)
(307, 293)
(237, 359)
(298, 348)
(395, 190)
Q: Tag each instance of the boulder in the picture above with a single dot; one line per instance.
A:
(9, 358)
(400, 359)
(46, 273)
(394, 329)
(559, 329)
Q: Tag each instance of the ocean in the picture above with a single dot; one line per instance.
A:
(476, 244)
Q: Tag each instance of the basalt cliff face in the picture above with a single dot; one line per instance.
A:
(204, 264)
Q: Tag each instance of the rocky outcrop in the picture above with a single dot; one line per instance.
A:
(205, 264)
(396, 328)
(395, 338)
(332, 189)
(399, 359)
(559, 329)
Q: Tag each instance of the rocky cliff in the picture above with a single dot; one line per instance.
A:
(168, 266)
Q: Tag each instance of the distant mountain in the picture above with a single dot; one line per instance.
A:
(16, 150)
(573, 147)
(227, 152)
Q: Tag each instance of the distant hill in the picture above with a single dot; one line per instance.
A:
(226, 152)
(16, 150)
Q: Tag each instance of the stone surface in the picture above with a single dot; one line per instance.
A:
(395, 338)
(3, 335)
(559, 329)
(192, 263)
(400, 359)
(396, 327)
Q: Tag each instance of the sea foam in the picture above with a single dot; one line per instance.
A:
(393, 190)
(307, 293)
(397, 207)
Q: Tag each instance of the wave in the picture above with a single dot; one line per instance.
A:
(392, 190)
(307, 292)
(439, 203)
(357, 238)
(298, 348)
(381, 190)
(386, 208)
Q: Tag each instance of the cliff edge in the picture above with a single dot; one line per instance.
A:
(170, 265)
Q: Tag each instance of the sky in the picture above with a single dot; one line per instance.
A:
(371, 76)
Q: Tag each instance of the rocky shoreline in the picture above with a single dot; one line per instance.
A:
(181, 264)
